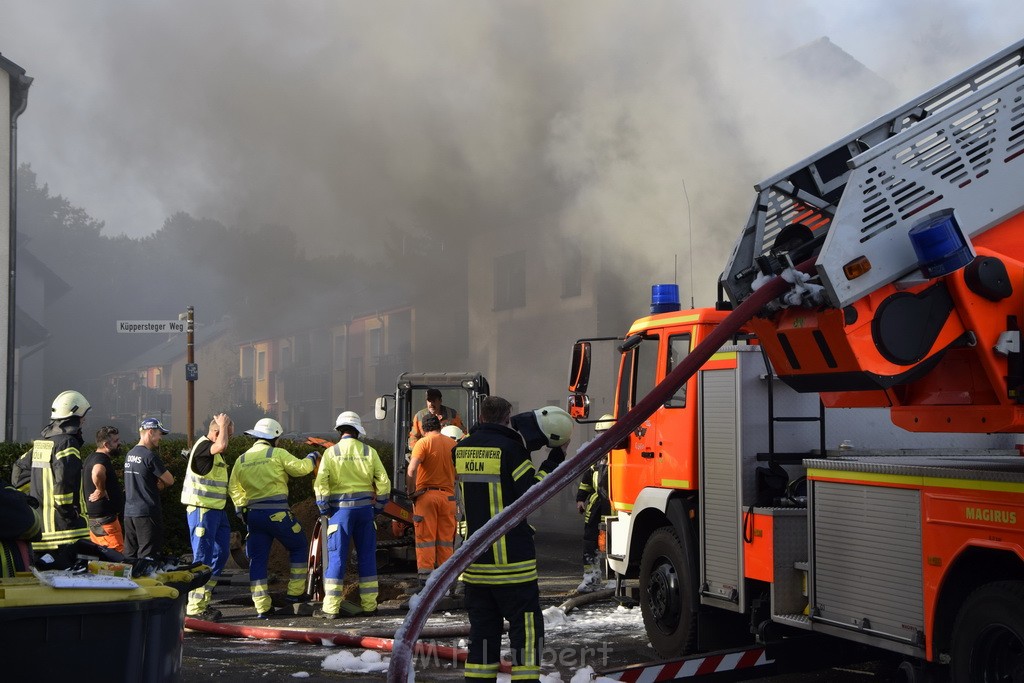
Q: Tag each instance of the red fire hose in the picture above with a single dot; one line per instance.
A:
(569, 472)
(439, 652)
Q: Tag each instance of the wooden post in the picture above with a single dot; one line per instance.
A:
(190, 371)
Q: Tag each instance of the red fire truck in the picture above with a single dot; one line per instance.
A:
(847, 468)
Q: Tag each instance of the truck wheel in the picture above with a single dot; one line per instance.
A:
(988, 636)
(668, 594)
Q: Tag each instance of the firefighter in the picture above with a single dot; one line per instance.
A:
(350, 487)
(592, 503)
(56, 480)
(493, 470)
(432, 474)
(204, 494)
(446, 415)
(258, 487)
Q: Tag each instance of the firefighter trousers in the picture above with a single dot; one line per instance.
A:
(592, 528)
(353, 524)
(434, 521)
(210, 534)
(264, 527)
(488, 607)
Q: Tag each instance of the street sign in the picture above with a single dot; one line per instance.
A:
(149, 326)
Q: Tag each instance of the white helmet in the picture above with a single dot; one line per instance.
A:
(604, 422)
(69, 404)
(555, 423)
(453, 432)
(267, 428)
(350, 418)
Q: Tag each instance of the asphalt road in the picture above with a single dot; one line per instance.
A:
(602, 636)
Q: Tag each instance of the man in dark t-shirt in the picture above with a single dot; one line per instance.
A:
(104, 499)
(144, 478)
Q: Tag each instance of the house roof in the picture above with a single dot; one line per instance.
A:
(824, 61)
(56, 286)
(19, 86)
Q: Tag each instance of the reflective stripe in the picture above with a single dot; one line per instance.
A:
(522, 469)
(481, 670)
(269, 503)
(493, 574)
(530, 661)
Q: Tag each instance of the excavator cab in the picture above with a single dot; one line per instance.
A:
(461, 391)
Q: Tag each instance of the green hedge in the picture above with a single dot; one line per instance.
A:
(174, 518)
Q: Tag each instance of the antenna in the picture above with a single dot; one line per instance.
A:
(689, 234)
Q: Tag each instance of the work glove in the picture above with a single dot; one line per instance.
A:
(243, 515)
(315, 455)
(324, 508)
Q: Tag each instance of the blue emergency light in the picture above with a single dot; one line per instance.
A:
(664, 298)
(940, 245)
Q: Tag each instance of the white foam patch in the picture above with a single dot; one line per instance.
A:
(369, 661)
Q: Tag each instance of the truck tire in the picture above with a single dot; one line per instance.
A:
(668, 594)
(988, 636)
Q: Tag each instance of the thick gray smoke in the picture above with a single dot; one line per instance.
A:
(339, 119)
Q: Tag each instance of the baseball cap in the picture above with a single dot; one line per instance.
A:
(153, 423)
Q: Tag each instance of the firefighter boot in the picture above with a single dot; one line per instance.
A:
(592, 579)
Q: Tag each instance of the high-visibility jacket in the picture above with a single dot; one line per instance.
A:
(208, 490)
(57, 484)
(351, 475)
(259, 478)
(493, 469)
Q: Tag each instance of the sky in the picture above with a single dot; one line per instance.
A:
(598, 118)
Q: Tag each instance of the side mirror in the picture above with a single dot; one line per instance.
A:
(380, 407)
(579, 370)
(579, 406)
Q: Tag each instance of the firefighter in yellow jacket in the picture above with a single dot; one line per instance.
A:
(350, 487)
(259, 489)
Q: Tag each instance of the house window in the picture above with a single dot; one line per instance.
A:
(261, 366)
(247, 362)
(376, 345)
(286, 357)
(572, 270)
(510, 281)
(339, 351)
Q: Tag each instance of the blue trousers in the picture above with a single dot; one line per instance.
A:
(264, 527)
(345, 525)
(210, 533)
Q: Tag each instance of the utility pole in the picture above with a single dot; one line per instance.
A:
(191, 371)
